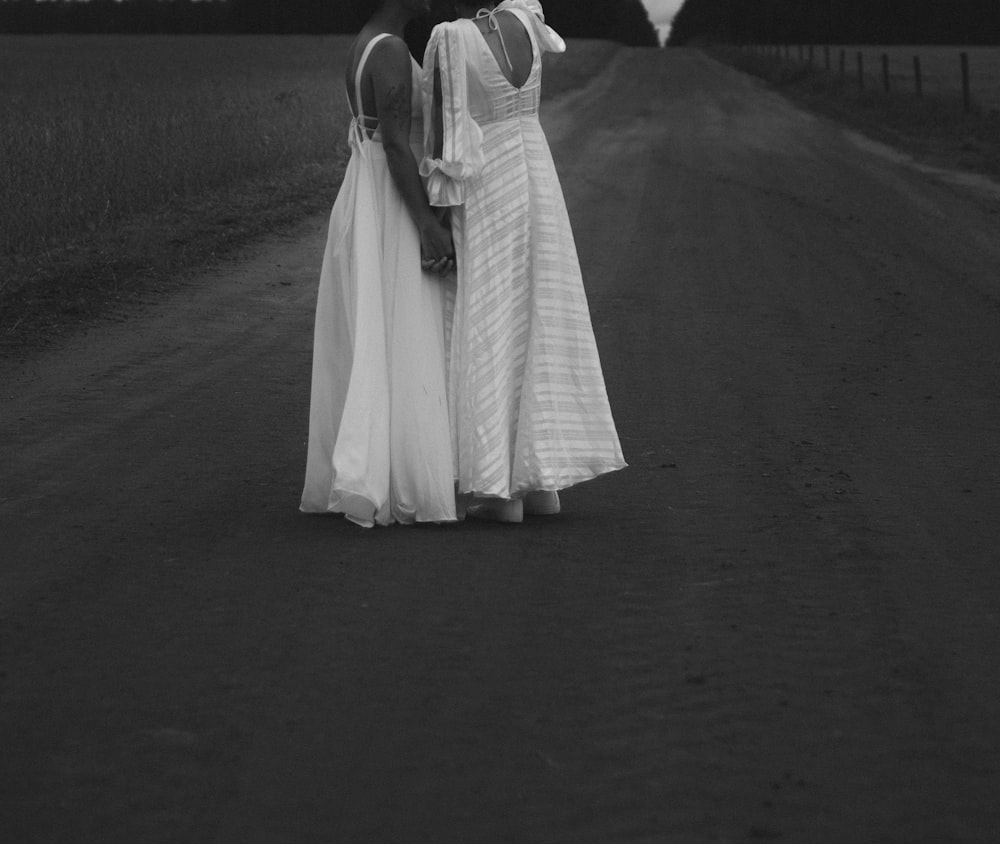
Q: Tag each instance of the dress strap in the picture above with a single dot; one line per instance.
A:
(359, 108)
(493, 24)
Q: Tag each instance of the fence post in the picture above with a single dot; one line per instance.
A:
(843, 64)
(800, 52)
(918, 80)
(861, 71)
(826, 57)
(810, 55)
(966, 98)
(885, 72)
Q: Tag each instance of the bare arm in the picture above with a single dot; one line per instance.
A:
(392, 83)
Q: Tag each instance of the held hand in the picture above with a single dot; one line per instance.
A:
(441, 266)
(437, 252)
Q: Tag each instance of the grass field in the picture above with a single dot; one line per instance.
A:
(109, 126)
(934, 128)
(123, 157)
(940, 68)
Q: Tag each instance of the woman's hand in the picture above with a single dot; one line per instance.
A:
(392, 83)
(437, 252)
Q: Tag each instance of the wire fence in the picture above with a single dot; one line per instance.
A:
(971, 74)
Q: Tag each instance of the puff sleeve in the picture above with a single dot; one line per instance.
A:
(462, 141)
(548, 39)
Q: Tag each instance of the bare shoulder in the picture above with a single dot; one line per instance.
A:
(386, 50)
(392, 48)
(390, 61)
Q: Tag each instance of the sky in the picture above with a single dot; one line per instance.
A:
(660, 13)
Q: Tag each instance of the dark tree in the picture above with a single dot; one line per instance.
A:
(174, 16)
(839, 21)
(621, 20)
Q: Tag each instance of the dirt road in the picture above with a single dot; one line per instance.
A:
(779, 623)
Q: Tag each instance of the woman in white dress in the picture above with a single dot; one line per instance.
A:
(529, 409)
(379, 444)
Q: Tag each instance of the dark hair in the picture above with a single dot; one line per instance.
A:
(364, 9)
(418, 31)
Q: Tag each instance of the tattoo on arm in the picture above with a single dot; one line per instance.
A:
(391, 81)
(397, 104)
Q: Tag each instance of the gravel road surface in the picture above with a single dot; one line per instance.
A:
(780, 623)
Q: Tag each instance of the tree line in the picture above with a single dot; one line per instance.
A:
(619, 20)
(838, 22)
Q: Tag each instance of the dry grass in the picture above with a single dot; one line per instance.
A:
(132, 158)
(584, 58)
(111, 126)
(934, 127)
(125, 160)
(940, 69)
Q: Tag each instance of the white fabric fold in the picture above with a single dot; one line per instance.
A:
(547, 38)
(529, 409)
(379, 440)
(462, 142)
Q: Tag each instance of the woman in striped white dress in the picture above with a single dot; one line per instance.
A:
(529, 409)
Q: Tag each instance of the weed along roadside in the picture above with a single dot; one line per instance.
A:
(969, 74)
(140, 158)
(939, 104)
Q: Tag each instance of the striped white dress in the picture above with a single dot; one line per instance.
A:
(529, 408)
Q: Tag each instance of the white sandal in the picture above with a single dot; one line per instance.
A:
(508, 511)
(542, 502)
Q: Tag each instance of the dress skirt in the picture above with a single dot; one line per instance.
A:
(529, 406)
(379, 435)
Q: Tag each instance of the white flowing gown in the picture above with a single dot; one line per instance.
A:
(529, 408)
(379, 443)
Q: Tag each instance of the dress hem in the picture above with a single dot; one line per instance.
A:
(521, 491)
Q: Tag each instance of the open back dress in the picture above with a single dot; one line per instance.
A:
(379, 444)
(528, 402)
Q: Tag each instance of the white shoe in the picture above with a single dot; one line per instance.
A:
(542, 502)
(497, 510)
